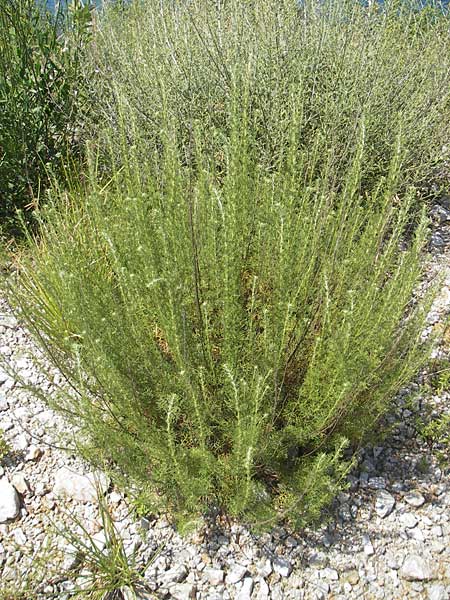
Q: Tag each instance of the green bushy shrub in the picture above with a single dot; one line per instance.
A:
(224, 340)
(39, 99)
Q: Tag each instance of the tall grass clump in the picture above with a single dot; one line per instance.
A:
(40, 99)
(338, 61)
(230, 296)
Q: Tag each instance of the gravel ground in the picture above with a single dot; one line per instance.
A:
(388, 537)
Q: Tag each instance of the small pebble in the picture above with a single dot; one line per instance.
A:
(414, 499)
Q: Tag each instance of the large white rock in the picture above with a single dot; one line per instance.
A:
(416, 568)
(9, 501)
(79, 487)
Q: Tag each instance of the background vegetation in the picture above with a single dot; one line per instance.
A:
(40, 100)
(337, 64)
(229, 294)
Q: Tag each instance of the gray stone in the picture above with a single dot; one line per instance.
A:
(99, 539)
(20, 483)
(22, 414)
(327, 540)
(317, 559)
(330, 574)
(363, 479)
(47, 417)
(8, 321)
(6, 425)
(377, 451)
(264, 568)
(291, 542)
(33, 453)
(20, 442)
(132, 546)
(8, 385)
(71, 558)
(437, 592)
(322, 590)
(145, 524)
(438, 547)
(3, 376)
(176, 574)
(116, 498)
(345, 514)
(416, 568)
(437, 240)
(40, 489)
(384, 503)
(440, 214)
(416, 534)
(263, 591)
(436, 531)
(245, 593)
(377, 483)
(214, 576)
(23, 363)
(9, 501)
(183, 591)
(432, 317)
(79, 487)
(136, 594)
(4, 405)
(19, 537)
(277, 592)
(415, 499)
(395, 581)
(408, 520)
(237, 573)
(367, 545)
(282, 566)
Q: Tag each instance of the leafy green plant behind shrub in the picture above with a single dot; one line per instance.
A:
(225, 337)
(337, 60)
(40, 97)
